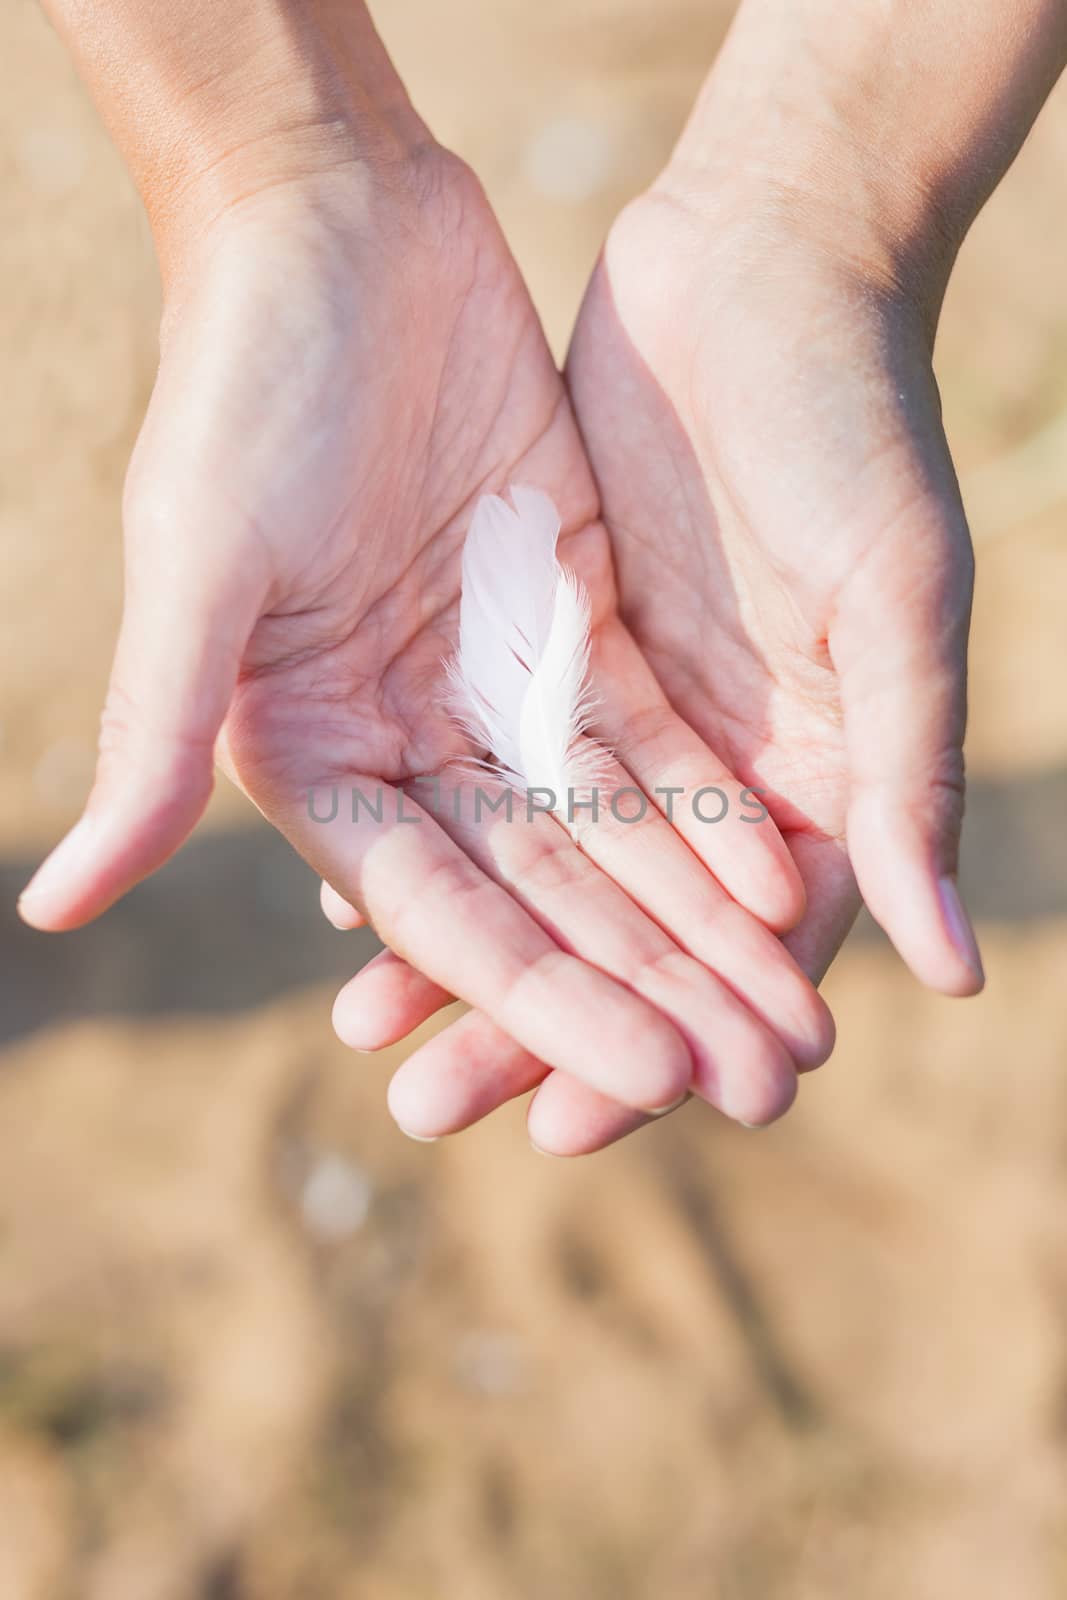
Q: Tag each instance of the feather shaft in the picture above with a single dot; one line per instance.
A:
(519, 682)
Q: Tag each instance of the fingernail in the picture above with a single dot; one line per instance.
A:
(958, 924)
(65, 858)
(665, 1111)
(420, 1138)
(536, 1148)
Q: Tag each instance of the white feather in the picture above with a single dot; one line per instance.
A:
(519, 681)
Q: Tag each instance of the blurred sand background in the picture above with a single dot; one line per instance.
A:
(254, 1345)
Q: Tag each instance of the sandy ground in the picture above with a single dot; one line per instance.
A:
(255, 1344)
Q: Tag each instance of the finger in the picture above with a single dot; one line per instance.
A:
(471, 1069)
(739, 1063)
(833, 901)
(337, 910)
(566, 1118)
(188, 613)
(636, 848)
(723, 822)
(459, 1076)
(385, 1001)
(899, 643)
(431, 904)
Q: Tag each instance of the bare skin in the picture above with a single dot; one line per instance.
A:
(759, 499)
(321, 426)
(796, 567)
(752, 373)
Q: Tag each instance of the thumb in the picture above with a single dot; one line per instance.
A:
(899, 644)
(187, 616)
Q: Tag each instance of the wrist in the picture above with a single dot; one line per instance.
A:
(880, 129)
(211, 105)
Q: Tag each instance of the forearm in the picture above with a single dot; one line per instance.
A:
(209, 101)
(910, 109)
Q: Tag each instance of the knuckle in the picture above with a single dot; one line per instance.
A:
(454, 877)
(647, 730)
(936, 805)
(455, 880)
(545, 863)
(531, 983)
(661, 971)
(127, 726)
(116, 720)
